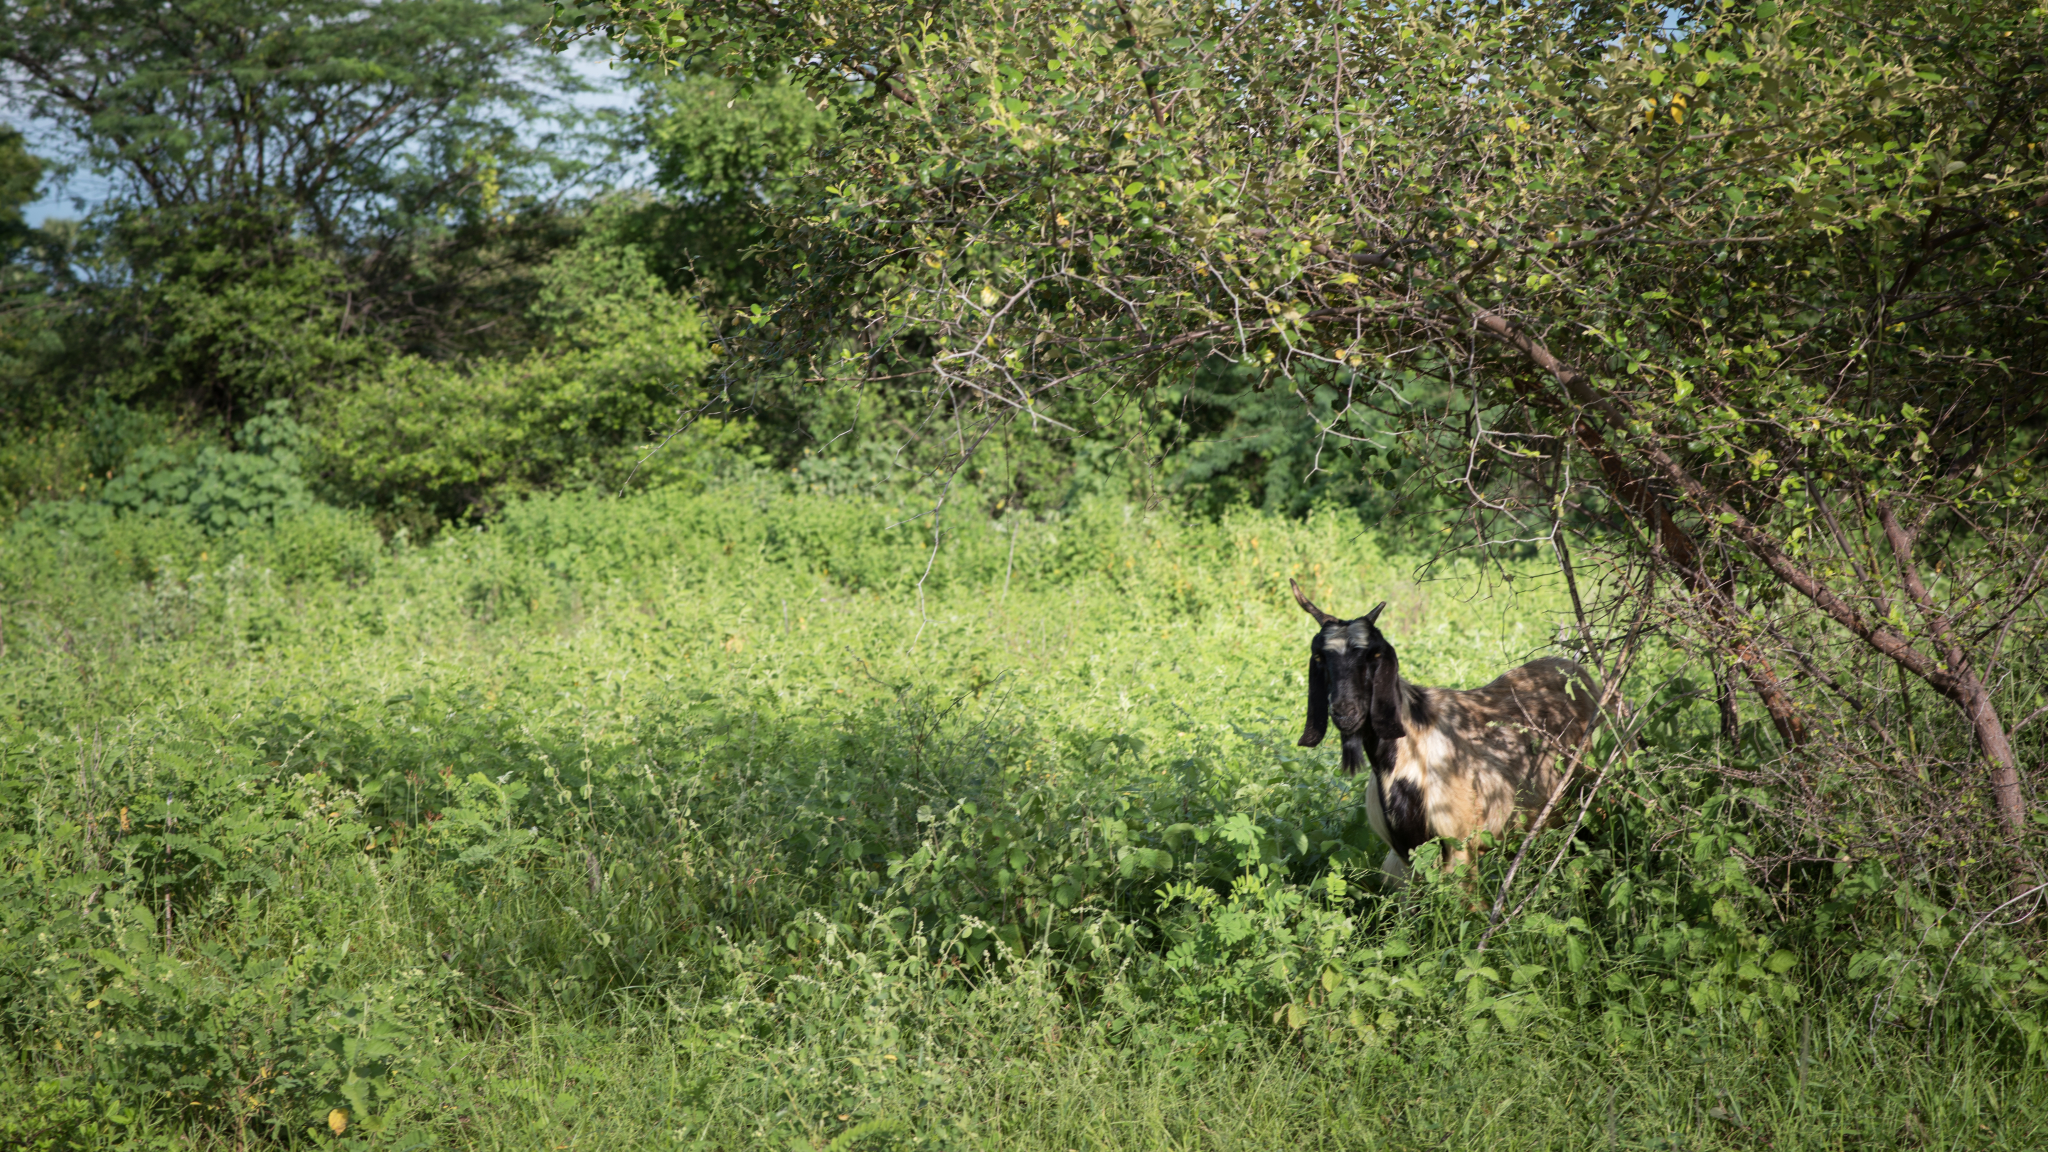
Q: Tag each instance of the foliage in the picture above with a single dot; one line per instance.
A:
(615, 376)
(404, 316)
(1241, 441)
(1746, 303)
(20, 173)
(625, 817)
(721, 159)
(221, 490)
(229, 332)
(162, 491)
(296, 190)
(46, 462)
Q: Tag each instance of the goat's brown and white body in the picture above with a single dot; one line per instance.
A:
(1446, 763)
(1484, 759)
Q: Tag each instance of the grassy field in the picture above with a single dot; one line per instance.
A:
(701, 821)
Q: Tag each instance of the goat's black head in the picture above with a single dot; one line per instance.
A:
(1354, 678)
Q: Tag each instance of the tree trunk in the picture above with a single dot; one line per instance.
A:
(1961, 684)
(2005, 770)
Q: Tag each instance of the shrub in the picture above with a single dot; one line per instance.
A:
(221, 490)
(617, 374)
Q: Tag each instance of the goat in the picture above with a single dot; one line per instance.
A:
(1446, 763)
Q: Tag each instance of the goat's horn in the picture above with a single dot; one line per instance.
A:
(1307, 606)
(1374, 614)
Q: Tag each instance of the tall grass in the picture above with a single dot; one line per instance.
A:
(742, 819)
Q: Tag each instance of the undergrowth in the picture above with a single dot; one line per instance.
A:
(742, 819)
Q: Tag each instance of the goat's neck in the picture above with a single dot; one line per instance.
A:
(1403, 692)
(1382, 748)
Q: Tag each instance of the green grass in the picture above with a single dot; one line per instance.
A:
(693, 821)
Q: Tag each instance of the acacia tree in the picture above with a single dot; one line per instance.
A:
(325, 117)
(276, 171)
(1755, 298)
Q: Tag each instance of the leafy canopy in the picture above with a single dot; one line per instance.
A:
(724, 163)
(297, 190)
(331, 117)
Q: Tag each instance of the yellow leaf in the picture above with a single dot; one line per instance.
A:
(337, 1121)
(1296, 1016)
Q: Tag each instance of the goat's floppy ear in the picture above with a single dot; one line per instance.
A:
(1309, 607)
(1385, 710)
(1318, 698)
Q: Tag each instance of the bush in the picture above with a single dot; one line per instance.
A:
(175, 512)
(221, 490)
(231, 1033)
(617, 374)
(318, 543)
(73, 458)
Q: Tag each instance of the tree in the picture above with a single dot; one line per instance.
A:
(296, 185)
(1752, 304)
(337, 119)
(20, 174)
(723, 162)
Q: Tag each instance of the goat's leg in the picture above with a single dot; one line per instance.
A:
(1395, 871)
(1463, 863)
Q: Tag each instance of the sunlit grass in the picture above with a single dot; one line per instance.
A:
(639, 825)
